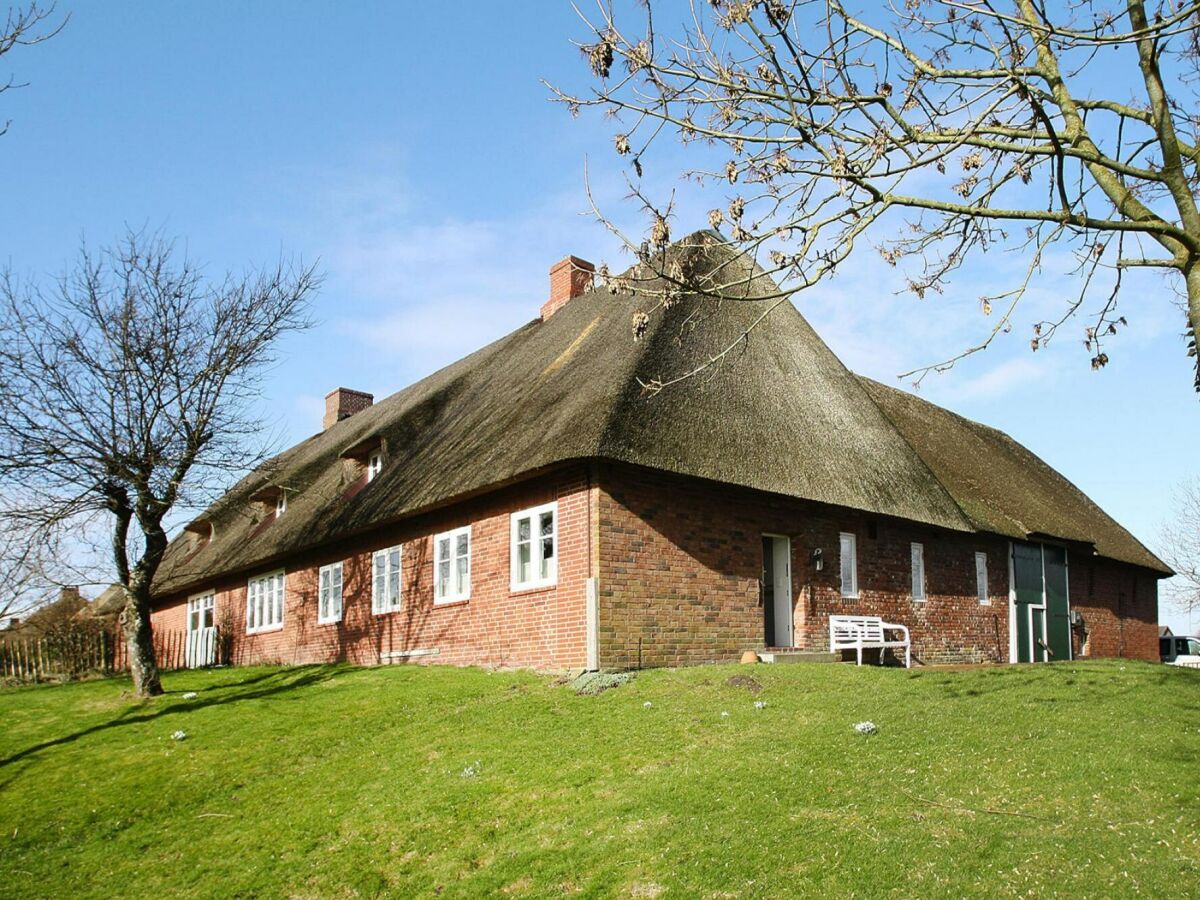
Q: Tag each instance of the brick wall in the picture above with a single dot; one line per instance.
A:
(680, 562)
(1119, 606)
(496, 626)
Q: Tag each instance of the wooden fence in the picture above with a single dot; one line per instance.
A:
(74, 654)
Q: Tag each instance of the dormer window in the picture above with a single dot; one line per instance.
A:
(199, 532)
(363, 461)
(280, 504)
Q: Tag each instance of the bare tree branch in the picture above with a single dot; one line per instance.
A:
(982, 127)
(1181, 548)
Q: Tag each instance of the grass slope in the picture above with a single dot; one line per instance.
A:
(335, 781)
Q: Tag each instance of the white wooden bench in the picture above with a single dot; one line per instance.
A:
(857, 632)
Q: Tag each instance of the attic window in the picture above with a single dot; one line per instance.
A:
(280, 504)
(374, 465)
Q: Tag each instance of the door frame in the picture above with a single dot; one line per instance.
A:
(791, 599)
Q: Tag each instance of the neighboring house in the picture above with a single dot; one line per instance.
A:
(50, 616)
(530, 505)
(1165, 631)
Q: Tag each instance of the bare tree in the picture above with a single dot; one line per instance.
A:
(939, 129)
(26, 562)
(129, 389)
(24, 26)
(1181, 548)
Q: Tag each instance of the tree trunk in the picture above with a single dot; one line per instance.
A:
(139, 640)
(1193, 311)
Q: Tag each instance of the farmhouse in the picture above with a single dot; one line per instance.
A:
(531, 505)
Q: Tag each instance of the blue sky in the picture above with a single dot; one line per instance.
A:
(421, 161)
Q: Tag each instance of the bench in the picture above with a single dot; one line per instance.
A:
(857, 632)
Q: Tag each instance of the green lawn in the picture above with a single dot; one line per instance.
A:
(1072, 779)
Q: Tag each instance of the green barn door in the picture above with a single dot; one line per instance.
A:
(1058, 615)
(1027, 589)
(1042, 609)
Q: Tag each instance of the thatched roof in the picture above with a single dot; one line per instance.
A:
(780, 414)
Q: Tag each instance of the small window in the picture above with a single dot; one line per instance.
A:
(329, 600)
(385, 581)
(280, 505)
(374, 464)
(200, 612)
(849, 561)
(918, 571)
(981, 583)
(452, 565)
(264, 603)
(534, 546)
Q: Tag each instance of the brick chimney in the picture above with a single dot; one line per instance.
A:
(342, 403)
(568, 278)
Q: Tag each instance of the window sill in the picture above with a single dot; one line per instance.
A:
(267, 630)
(337, 621)
(385, 612)
(850, 597)
(452, 601)
(532, 588)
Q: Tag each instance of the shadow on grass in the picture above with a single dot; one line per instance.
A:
(253, 687)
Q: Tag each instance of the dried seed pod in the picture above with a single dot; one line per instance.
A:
(641, 322)
(660, 233)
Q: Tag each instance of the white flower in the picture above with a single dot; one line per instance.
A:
(724, 714)
(647, 705)
(179, 735)
(760, 704)
(190, 695)
(866, 728)
(471, 771)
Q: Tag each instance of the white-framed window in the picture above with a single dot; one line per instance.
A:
(534, 556)
(918, 571)
(280, 504)
(848, 557)
(452, 565)
(385, 580)
(201, 611)
(981, 582)
(264, 602)
(374, 465)
(329, 594)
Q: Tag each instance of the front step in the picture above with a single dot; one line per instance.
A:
(799, 656)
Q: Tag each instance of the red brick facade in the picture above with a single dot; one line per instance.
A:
(678, 562)
(681, 559)
(496, 626)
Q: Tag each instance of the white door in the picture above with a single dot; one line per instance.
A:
(201, 649)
